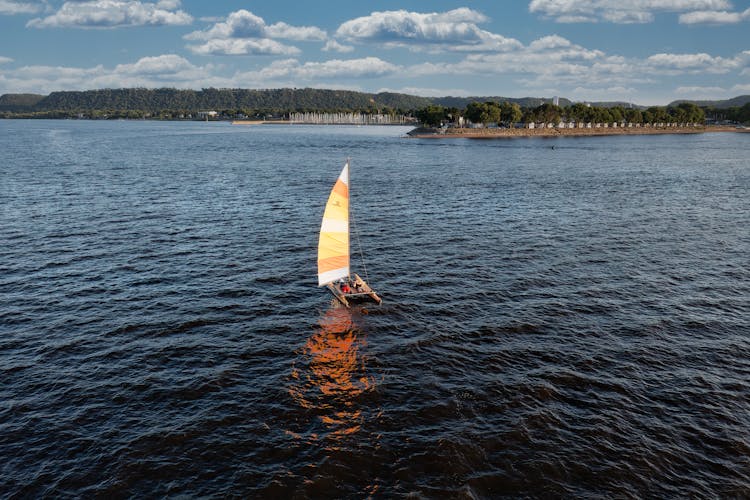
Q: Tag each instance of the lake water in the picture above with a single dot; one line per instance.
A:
(557, 321)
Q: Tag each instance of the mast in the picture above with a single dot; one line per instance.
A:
(353, 225)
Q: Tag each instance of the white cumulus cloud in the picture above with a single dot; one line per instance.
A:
(454, 30)
(428, 91)
(619, 11)
(699, 91)
(4, 60)
(168, 64)
(300, 33)
(707, 93)
(714, 17)
(240, 24)
(602, 93)
(167, 70)
(549, 55)
(692, 63)
(367, 67)
(11, 7)
(245, 33)
(113, 14)
(334, 46)
(240, 46)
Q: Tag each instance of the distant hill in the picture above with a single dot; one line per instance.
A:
(402, 101)
(267, 101)
(734, 102)
(271, 100)
(613, 104)
(524, 102)
(19, 102)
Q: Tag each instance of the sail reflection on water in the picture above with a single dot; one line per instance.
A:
(332, 375)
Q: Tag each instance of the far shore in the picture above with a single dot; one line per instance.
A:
(249, 122)
(491, 133)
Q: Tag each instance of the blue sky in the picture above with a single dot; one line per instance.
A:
(643, 51)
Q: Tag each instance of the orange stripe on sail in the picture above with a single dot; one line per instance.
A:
(331, 263)
(341, 189)
(333, 244)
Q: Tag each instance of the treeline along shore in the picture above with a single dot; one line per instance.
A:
(443, 116)
(507, 119)
(488, 133)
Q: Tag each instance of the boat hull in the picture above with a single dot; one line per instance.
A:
(363, 294)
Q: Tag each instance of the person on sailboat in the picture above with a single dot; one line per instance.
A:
(345, 287)
(357, 285)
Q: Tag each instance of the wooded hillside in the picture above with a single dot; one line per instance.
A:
(155, 100)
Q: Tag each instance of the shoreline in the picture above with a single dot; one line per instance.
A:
(493, 133)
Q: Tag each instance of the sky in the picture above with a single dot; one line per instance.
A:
(649, 52)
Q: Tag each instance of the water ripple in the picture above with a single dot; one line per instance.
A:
(568, 322)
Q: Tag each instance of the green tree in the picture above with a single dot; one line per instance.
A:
(453, 113)
(510, 113)
(492, 113)
(548, 113)
(656, 114)
(602, 115)
(474, 111)
(577, 112)
(483, 112)
(432, 115)
(633, 115)
(688, 112)
(738, 114)
(617, 113)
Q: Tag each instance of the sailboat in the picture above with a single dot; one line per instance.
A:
(333, 249)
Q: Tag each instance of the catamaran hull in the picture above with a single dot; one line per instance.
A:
(366, 294)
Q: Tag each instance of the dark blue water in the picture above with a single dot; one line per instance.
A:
(556, 322)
